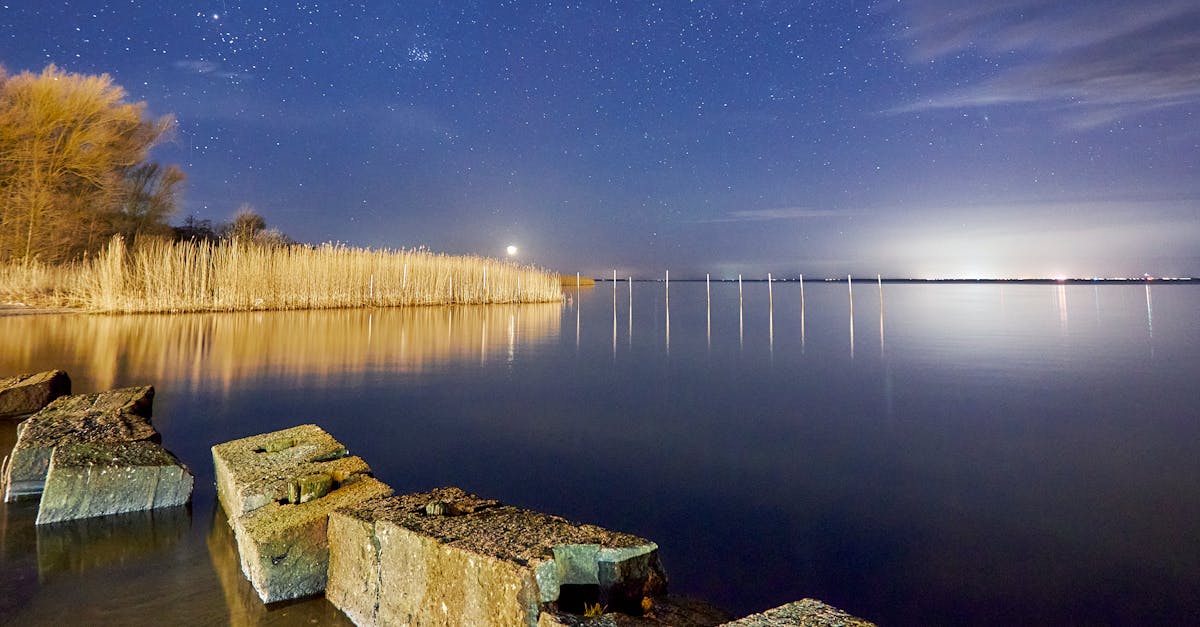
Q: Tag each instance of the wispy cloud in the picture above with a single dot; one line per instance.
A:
(210, 68)
(1093, 61)
(781, 213)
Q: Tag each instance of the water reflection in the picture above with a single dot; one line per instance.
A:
(308, 345)
(77, 546)
(803, 337)
(850, 289)
(879, 278)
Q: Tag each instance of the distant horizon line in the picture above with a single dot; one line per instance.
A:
(882, 279)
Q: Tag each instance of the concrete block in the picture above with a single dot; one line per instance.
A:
(121, 415)
(291, 465)
(284, 547)
(29, 393)
(277, 490)
(803, 613)
(102, 478)
(447, 557)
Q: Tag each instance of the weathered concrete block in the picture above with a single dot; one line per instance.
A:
(277, 490)
(803, 613)
(291, 465)
(450, 558)
(101, 478)
(284, 548)
(121, 415)
(29, 393)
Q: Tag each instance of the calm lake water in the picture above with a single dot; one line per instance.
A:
(960, 454)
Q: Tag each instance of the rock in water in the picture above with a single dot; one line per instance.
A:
(447, 557)
(284, 547)
(277, 490)
(121, 415)
(29, 393)
(100, 478)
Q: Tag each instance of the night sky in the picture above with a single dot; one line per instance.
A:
(915, 138)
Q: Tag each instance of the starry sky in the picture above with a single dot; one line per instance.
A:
(908, 138)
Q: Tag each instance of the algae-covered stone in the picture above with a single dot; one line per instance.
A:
(101, 478)
(284, 548)
(449, 557)
(29, 393)
(281, 466)
(803, 613)
(121, 415)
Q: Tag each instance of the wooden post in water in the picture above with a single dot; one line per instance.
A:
(668, 311)
(850, 289)
(802, 336)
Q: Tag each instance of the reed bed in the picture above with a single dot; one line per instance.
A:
(165, 276)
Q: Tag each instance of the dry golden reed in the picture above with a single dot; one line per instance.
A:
(165, 276)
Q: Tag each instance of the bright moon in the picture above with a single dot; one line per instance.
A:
(512, 250)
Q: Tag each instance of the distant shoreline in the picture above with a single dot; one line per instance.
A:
(864, 279)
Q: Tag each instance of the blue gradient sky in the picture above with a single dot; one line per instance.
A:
(918, 138)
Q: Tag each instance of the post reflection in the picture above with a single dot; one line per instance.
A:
(1150, 319)
(880, 279)
(850, 290)
(803, 338)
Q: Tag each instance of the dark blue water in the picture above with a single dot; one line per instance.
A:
(962, 454)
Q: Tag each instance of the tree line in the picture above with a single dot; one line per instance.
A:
(74, 171)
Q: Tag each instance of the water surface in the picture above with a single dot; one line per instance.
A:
(945, 454)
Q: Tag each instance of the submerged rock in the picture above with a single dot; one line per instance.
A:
(101, 478)
(449, 557)
(121, 415)
(28, 393)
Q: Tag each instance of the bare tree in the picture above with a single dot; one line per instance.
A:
(245, 226)
(70, 149)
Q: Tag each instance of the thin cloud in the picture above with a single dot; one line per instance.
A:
(209, 68)
(1091, 61)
